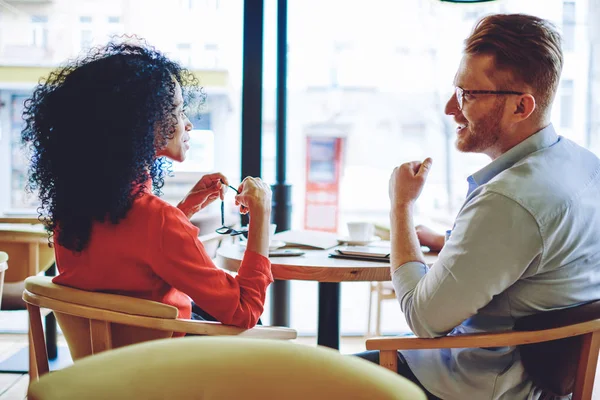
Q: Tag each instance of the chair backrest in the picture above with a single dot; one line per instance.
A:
(3, 268)
(214, 368)
(553, 366)
(78, 330)
(94, 322)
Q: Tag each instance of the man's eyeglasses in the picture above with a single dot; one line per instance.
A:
(461, 93)
(225, 230)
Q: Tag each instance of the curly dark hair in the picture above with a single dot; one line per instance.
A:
(93, 128)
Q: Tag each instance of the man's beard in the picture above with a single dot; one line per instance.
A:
(484, 133)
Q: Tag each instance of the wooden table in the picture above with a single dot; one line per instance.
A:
(316, 265)
(26, 242)
(19, 219)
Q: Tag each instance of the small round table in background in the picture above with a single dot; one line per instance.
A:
(26, 242)
(316, 265)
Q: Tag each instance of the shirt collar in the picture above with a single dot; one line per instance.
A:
(539, 140)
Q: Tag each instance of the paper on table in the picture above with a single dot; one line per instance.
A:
(309, 239)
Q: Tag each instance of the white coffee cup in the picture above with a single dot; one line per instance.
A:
(361, 230)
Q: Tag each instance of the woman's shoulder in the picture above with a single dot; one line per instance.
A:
(149, 203)
(152, 206)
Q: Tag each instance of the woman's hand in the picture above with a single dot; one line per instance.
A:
(209, 188)
(254, 196)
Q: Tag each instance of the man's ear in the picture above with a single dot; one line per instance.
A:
(524, 107)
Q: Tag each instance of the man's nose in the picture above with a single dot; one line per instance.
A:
(452, 106)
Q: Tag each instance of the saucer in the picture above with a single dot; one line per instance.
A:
(350, 242)
(275, 244)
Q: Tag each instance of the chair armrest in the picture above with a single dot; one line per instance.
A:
(510, 338)
(217, 328)
(163, 324)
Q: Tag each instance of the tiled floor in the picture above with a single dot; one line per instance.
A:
(14, 386)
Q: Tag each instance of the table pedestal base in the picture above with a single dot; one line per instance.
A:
(329, 315)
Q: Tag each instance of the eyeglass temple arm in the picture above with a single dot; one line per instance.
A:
(229, 186)
(223, 204)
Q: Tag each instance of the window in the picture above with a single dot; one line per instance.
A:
(215, 141)
(383, 83)
(184, 53)
(86, 39)
(39, 31)
(379, 84)
(20, 199)
(86, 34)
(211, 55)
(569, 23)
(566, 103)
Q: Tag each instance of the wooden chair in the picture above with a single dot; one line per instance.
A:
(559, 349)
(382, 291)
(218, 368)
(93, 322)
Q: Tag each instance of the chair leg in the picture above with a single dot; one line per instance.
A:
(379, 301)
(38, 357)
(100, 336)
(370, 308)
(389, 359)
(33, 372)
(586, 369)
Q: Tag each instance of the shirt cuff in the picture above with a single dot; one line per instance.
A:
(406, 277)
(253, 261)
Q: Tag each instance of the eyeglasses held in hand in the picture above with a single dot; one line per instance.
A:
(225, 230)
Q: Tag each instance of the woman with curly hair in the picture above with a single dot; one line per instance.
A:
(97, 130)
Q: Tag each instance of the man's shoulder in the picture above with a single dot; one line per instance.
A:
(549, 179)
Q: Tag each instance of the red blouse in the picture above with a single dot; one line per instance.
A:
(154, 253)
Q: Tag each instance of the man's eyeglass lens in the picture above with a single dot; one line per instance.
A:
(460, 94)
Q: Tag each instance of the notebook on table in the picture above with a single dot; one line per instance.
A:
(379, 252)
(365, 253)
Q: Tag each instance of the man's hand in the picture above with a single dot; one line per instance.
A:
(209, 188)
(406, 182)
(428, 237)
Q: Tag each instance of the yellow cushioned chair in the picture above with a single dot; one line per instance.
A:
(93, 322)
(223, 368)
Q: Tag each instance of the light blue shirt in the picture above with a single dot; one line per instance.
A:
(526, 240)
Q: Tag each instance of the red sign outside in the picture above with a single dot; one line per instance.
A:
(323, 170)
